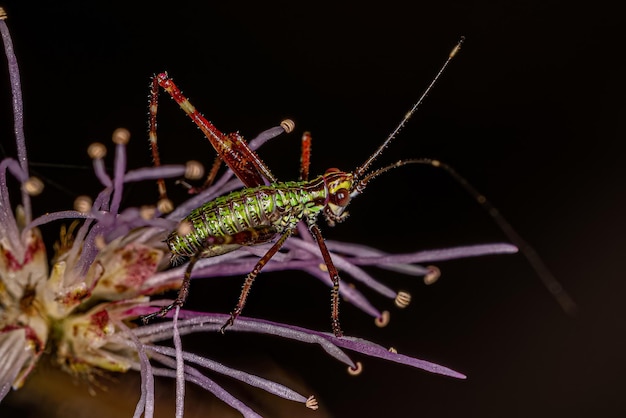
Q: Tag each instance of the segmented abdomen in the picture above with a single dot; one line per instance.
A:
(279, 205)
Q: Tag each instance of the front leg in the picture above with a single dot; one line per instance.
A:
(334, 277)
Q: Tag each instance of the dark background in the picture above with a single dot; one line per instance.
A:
(531, 112)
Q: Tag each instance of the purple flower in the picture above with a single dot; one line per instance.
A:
(111, 264)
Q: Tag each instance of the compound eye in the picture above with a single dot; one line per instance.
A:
(332, 170)
(341, 197)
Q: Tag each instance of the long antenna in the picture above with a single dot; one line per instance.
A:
(358, 173)
(545, 275)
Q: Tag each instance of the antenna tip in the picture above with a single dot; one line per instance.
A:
(457, 47)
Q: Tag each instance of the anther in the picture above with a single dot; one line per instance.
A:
(311, 403)
(383, 320)
(121, 136)
(393, 350)
(3, 14)
(194, 170)
(33, 186)
(165, 205)
(433, 275)
(184, 228)
(147, 212)
(96, 151)
(100, 242)
(357, 370)
(323, 267)
(402, 299)
(83, 204)
(288, 125)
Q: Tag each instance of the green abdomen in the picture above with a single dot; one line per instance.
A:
(280, 205)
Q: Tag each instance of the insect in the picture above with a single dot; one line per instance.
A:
(261, 212)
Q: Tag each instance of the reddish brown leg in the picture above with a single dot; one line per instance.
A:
(231, 148)
(152, 136)
(247, 284)
(250, 236)
(334, 277)
(305, 156)
(183, 292)
(217, 163)
(305, 160)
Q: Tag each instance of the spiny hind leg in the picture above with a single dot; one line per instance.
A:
(247, 284)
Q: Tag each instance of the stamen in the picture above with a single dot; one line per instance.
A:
(356, 371)
(100, 242)
(83, 204)
(18, 109)
(97, 151)
(288, 125)
(184, 228)
(165, 205)
(33, 186)
(147, 212)
(433, 275)
(121, 136)
(311, 403)
(393, 350)
(194, 170)
(402, 299)
(383, 320)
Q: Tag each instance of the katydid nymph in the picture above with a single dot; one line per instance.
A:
(268, 210)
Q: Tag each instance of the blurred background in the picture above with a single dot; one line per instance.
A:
(531, 112)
